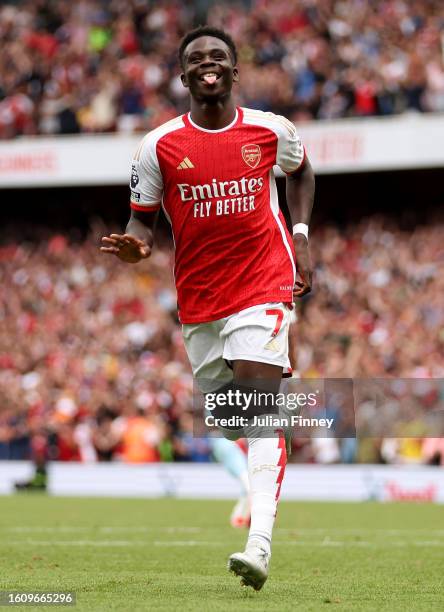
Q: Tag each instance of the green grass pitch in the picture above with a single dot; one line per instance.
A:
(171, 555)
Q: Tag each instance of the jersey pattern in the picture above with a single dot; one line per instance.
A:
(217, 188)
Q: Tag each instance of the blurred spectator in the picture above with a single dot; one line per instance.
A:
(140, 436)
(105, 438)
(186, 446)
(100, 66)
(432, 451)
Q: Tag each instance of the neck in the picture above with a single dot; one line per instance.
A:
(213, 116)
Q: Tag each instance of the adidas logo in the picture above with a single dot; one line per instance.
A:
(273, 345)
(185, 164)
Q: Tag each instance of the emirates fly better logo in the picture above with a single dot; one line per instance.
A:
(251, 154)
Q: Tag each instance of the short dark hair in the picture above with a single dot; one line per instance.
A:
(207, 31)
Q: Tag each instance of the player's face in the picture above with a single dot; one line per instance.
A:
(208, 69)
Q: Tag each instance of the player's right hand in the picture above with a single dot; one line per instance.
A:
(303, 267)
(126, 247)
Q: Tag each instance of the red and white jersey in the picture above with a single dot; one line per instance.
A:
(218, 191)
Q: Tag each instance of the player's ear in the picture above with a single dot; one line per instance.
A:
(235, 75)
(183, 78)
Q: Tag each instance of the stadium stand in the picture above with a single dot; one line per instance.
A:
(98, 66)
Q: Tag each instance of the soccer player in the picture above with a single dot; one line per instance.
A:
(236, 272)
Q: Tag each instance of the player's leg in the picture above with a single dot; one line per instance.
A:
(266, 464)
(204, 348)
(234, 460)
(212, 374)
(258, 333)
(252, 334)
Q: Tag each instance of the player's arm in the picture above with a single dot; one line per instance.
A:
(142, 224)
(300, 190)
(146, 193)
(292, 159)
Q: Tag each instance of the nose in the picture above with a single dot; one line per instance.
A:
(207, 61)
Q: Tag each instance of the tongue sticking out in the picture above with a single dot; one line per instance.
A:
(210, 78)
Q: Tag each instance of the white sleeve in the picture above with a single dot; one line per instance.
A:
(290, 154)
(146, 181)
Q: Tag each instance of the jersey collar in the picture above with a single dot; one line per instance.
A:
(237, 119)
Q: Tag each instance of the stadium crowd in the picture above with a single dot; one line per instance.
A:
(93, 367)
(96, 66)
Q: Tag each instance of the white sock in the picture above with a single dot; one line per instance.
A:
(266, 465)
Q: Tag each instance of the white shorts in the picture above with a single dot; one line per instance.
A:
(258, 333)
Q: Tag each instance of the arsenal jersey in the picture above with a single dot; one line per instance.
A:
(217, 188)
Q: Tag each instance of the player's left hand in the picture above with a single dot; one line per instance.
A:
(303, 267)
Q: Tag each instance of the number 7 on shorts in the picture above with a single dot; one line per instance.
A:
(276, 312)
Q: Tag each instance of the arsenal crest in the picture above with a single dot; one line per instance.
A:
(251, 154)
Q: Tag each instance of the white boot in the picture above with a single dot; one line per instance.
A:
(251, 566)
